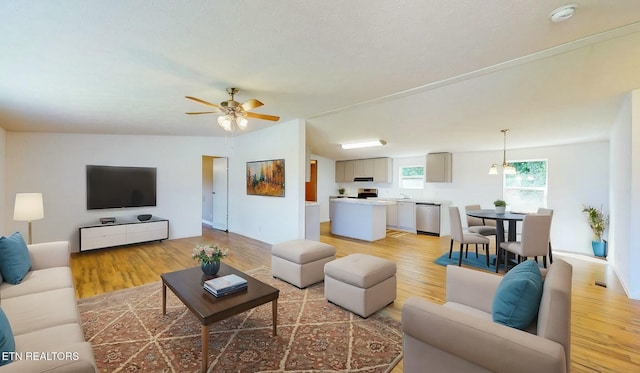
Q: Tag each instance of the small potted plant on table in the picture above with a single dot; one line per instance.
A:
(500, 205)
(598, 223)
(209, 257)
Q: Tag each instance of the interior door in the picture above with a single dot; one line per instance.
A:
(220, 193)
(311, 186)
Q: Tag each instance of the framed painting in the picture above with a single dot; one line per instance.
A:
(266, 178)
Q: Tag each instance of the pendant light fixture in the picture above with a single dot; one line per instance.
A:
(507, 169)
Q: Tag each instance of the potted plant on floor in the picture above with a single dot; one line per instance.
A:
(598, 223)
(500, 205)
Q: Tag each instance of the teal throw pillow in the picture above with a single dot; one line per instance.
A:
(15, 262)
(517, 298)
(7, 343)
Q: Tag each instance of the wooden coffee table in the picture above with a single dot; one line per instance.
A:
(187, 286)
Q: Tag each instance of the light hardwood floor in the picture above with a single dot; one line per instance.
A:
(605, 323)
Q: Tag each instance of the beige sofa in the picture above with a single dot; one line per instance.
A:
(460, 335)
(44, 317)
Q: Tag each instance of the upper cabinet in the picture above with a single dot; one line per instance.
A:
(383, 170)
(379, 169)
(439, 167)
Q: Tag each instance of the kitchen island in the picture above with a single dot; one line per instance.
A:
(363, 219)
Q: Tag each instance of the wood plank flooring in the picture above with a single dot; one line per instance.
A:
(605, 323)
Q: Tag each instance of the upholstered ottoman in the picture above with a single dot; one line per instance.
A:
(300, 262)
(361, 283)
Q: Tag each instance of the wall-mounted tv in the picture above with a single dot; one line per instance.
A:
(116, 187)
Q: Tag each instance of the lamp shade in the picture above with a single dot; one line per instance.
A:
(28, 207)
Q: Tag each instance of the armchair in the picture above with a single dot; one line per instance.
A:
(460, 336)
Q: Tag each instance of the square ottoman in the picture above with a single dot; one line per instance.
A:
(363, 284)
(301, 262)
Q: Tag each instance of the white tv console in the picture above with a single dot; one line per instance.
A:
(123, 232)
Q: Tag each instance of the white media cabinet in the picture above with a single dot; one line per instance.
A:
(123, 232)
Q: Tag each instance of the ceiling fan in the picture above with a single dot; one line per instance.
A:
(233, 114)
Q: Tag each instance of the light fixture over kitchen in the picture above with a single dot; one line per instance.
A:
(363, 144)
(507, 169)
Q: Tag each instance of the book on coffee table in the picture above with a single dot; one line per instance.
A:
(224, 285)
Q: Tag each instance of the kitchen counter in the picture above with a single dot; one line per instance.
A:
(312, 221)
(363, 219)
(363, 201)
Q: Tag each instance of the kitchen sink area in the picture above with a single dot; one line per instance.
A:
(429, 217)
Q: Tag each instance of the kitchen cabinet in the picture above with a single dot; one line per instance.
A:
(383, 170)
(380, 169)
(349, 172)
(407, 216)
(358, 168)
(439, 167)
(340, 172)
(392, 215)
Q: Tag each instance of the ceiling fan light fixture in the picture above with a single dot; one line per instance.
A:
(233, 113)
(563, 13)
(242, 122)
(363, 144)
(225, 122)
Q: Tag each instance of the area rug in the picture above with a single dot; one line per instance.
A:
(479, 262)
(129, 334)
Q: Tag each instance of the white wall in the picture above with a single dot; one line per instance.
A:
(326, 180)
(624, 240)
(3, 201)
(54, 164)
(269, 219)
(577, 175)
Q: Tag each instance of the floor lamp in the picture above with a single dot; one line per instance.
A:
(28, 208)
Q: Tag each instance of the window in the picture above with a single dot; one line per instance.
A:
(527, 189)
(411, 177)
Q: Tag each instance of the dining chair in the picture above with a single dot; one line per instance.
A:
(535, 240)
(544, 211)
(478, 225)
(465, 238)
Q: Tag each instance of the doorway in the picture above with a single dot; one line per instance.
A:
(311, 186)
(215, 194)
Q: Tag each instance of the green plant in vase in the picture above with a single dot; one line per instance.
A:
(500, 205)
(598, 222)
(209, 256)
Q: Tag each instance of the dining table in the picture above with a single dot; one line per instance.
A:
(511, 217)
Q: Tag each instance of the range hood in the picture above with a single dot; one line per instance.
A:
(366, 178)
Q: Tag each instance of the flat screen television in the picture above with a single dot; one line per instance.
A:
(117, 187)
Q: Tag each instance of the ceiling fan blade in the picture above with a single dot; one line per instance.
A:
(263, 116)
(251, 104)
(203, 112)
(203, 102)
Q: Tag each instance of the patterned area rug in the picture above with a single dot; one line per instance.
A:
(129, 333)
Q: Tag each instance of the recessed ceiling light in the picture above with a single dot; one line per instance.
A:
(364, 144)
(563, 13)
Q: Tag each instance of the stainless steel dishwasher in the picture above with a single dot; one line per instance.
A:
(428, 218)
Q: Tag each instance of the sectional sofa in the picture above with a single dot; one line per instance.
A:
(43, 315)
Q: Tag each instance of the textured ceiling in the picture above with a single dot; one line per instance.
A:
(425, 76)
